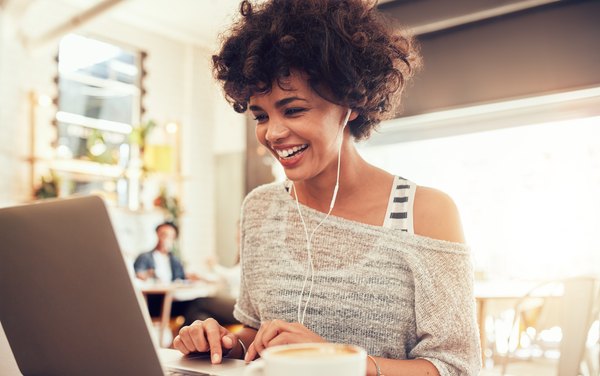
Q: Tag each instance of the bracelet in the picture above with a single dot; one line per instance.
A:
(243, 348)
(376, 365)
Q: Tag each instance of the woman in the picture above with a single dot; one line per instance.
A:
(343, 251)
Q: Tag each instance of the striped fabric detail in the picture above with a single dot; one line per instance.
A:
(400, 206)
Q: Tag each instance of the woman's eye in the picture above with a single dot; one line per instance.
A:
(260, 118)
(294, 111)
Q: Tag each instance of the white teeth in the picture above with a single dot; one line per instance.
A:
(287, 152)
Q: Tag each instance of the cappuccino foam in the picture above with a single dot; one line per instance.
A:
(316, 352)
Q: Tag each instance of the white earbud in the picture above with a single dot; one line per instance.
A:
(337, 180)
(309, 238)
(347, 118)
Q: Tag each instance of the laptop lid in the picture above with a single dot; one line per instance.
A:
(67, 302)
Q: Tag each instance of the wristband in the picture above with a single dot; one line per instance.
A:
(376, 366)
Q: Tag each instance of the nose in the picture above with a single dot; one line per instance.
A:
(276, 131)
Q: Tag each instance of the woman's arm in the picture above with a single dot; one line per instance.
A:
(394, 367)
(444, 302)
(246, 335)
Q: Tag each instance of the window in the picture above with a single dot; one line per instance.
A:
(528, 195)
(99, 100)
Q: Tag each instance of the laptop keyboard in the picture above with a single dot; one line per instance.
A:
(171, 371)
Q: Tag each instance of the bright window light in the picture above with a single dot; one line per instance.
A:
(77, 52)
(528, 195)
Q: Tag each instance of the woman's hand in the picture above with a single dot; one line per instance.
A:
(278, 332)
(203, 336)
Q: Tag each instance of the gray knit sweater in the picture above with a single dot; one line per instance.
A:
(397, 295)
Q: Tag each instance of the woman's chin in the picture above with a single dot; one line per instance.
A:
(295, 174)
(292, 176)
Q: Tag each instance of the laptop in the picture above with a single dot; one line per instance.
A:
(67, 302)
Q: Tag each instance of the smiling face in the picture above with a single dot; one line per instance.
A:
(300, 128)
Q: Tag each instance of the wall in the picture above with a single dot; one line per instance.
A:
(229, 184)
(8, 104)
(229, 146)
(20, 73)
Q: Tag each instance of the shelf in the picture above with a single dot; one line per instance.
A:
(121, 87)
(75, 166)
(100, 124)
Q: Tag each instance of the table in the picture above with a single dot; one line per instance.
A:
(180, 291)
(506, 292)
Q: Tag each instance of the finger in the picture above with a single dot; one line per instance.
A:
(275, 328)
(197, 336)
(281, 339)
(258, 342)
(261, 329)
(178, 345)
(186, 340)
(251, 353)
(213, 335)
(228, 339)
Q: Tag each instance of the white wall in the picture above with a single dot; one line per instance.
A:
(20, 73)
(230, 132)
(229, 148)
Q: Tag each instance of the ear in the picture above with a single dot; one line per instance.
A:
(353, 115)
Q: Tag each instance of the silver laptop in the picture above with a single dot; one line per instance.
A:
(67, 302)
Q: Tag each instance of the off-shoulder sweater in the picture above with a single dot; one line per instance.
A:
(398, 295)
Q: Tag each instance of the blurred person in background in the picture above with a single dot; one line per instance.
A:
(161, 266)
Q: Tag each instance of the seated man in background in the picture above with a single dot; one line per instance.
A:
(162, 266)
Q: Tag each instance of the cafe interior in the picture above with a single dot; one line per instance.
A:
(116, 98)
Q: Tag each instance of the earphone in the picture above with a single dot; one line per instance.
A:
(337, 178)
(311, 268)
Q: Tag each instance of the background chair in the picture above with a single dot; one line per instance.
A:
(569, 304)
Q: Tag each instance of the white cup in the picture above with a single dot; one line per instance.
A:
(314, 359)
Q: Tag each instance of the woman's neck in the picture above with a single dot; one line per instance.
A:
(317, 192)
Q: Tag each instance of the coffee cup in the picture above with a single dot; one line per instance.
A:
(314, 359)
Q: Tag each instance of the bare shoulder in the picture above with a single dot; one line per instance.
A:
(436, 215)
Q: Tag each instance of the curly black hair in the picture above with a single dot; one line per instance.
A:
(350, 53)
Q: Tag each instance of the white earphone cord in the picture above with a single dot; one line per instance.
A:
(311, 268)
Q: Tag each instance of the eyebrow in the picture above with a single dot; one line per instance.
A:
(280, 103)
